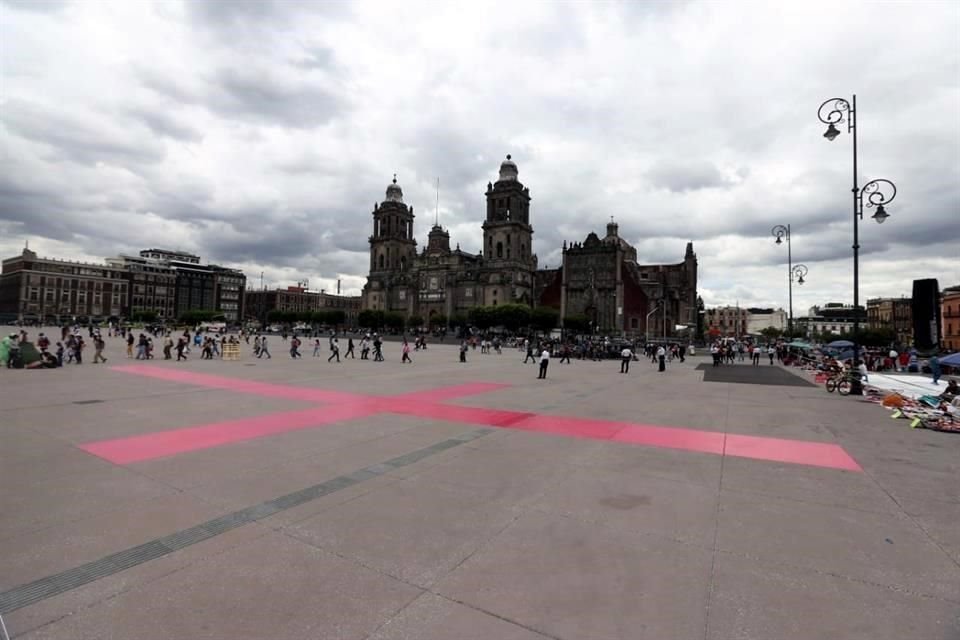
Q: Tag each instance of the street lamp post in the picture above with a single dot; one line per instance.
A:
(780, 232)
(647, 323)
(877, 193)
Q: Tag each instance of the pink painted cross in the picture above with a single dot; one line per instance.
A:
(340, 406)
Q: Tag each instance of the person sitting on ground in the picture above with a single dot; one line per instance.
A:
(952, 391)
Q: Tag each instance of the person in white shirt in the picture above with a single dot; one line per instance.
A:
(544, 363)
(771, 351)
(662, 358)
(625, 357)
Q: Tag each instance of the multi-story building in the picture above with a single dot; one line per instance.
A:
(152, 286)
(950, 318)
(45, 290)
(833, 317)
(602, 280)
(726, 322)
(894, 314)
(298, 299)
(599, 279)
(760, 319)
(443, 282)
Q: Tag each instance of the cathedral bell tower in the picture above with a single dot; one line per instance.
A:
(507, 234)
(508, 259)
(392, 246)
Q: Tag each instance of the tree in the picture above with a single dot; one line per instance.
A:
(146, 317)
(482, 317)
(576, 323)
(544, 319)
(370, 319)
(393, 320)
(414, 322)
(197, 316)
(771, 332)
(438, 320)
(458, 320)
(513, 316)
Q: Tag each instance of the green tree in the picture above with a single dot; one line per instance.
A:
(513, 317)
(576, 323)
(771, 332)
(414, 322)
(370, 319)
(438, 321)
(393, 320)
(482, 317)
(458, 320)
(336, 317)
(147, 317)
(197, 316)
(544, 319)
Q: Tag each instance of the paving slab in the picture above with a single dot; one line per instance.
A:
(517, 530)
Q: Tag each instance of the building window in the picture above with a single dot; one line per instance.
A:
(499, 249)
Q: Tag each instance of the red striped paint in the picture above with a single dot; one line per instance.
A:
(426, 404)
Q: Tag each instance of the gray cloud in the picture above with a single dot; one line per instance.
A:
(261, 133)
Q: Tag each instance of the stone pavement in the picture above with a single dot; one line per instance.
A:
(300, 499)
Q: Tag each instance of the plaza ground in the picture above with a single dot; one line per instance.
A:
(446, 501)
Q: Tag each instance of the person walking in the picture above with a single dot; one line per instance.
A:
(334, 350)
(463, 351)
(544, 363)
(181, 347)
(130, 345)
(167, 347)
(530, 355)
(350, 352)
(316, 348)
(935, 368)
(406, 352)
(263, 348)
(755, 355)
(662, 358)
(625, 357)
(295, 347)
(771, 351)
(364, 348)
(377, 349)
(98, 346)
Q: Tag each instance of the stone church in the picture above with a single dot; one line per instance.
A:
(443, 281)
(600, 279)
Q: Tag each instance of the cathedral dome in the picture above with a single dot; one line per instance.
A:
(508, 169)
(394, 192)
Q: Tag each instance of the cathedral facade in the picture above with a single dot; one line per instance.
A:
(600, 279)
(440, 281)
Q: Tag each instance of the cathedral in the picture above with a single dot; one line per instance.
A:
(600, 279)
(444, 281)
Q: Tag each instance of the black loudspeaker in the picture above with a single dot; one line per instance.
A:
(926, 314)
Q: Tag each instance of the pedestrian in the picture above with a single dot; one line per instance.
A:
(935, 368)
(463, 351)
(755, 352)
(544, 363)
(130, 345)
(377, 349)
(295, 347)
(406, 352)
(78, 349)
(771, 351)
(181, 347)
(167, 346)
(98, 346)
(364, 348)
(316, 348)
(350, 352)
(530, 355)
(662, 358)
(862, 369)
(263, 348)
(334, 350)
(625, 357)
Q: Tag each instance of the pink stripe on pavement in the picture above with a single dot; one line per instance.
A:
(672, 438)
(167, 443)
(816, 454)
(448, 393)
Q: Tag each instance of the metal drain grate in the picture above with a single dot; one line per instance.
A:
(88, 401)
(44, 588)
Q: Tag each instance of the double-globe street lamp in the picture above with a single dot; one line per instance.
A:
(876, 192)
(799, 271)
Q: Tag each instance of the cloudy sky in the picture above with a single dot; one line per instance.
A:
(260, 134)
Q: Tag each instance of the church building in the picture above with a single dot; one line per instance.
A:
(600, 279)
(443, 281)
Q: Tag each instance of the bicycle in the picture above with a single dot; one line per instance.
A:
(842, 383)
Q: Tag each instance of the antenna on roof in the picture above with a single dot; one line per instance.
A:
(436, 219)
